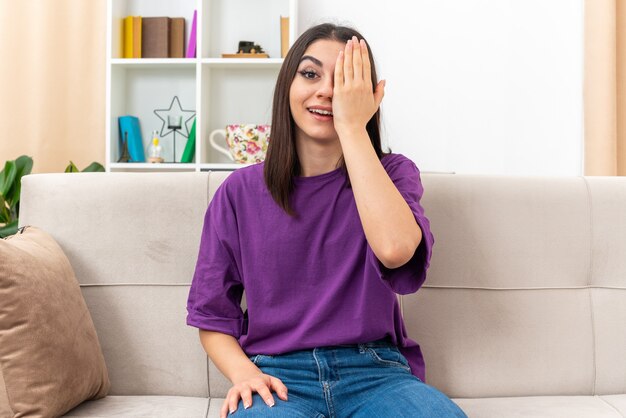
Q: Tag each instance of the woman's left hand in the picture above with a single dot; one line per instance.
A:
(354, 99)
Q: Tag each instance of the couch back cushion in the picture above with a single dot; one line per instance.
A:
(132, 239)
(526, 292)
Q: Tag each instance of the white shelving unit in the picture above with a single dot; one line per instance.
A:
(221, 91)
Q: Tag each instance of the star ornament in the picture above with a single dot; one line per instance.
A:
(175, 109)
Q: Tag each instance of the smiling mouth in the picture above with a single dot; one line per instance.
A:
(321, 112)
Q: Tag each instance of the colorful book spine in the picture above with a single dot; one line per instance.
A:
(177, 37)
(190, 147)
(284, 36)
(130, 125)
(132, 37)
(155, 37)
(191, 48)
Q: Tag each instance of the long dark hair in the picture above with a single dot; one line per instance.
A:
(281, 161)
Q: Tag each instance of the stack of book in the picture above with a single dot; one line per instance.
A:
(157, 37)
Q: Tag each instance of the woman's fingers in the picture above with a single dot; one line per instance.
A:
(246, 397)
(357, 60)
(355, 99)
(230, 404)
(279, 388)
(348, 70)
(367, 68)
(261, 385)
(265, 393)
(224, 410)
(339, 69)
(353, 64)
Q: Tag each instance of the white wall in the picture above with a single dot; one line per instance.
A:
(475, 86)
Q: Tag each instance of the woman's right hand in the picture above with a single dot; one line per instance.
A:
(261, 383)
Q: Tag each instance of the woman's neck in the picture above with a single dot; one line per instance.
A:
(317, 158)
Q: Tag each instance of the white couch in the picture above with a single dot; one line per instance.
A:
(523, 313)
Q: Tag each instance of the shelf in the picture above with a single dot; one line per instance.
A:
(151, 166)
(154, 62)
(191, 62)
(164, 167)
(232, 63)
(221, 91)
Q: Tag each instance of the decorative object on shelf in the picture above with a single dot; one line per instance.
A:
(190, 147)
(125, 156)
(247, 49)
(130, 129)
(174, 122)
(247, 143)
(155, 150)
(174, 117)
(191, 47)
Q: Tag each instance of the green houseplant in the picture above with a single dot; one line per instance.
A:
(11, 185)
(93, 167)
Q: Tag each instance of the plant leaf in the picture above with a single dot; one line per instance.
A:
(7, 177)
(94, 167)
(71, 168)
(9, 229)
(5, 213)
(24, 166)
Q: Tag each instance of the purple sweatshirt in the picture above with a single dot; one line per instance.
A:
(310, 281)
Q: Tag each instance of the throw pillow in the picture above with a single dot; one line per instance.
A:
(50, 356)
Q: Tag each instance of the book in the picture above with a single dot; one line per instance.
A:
(191, 46)
(284, 36)
(132, 37)
(190, 147)
(130, 125)
(155, 37)
(177, 37)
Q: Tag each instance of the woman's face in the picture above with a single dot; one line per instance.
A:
(311, 92)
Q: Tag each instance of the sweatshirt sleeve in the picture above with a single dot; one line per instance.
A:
(214, 301)
(409, 277)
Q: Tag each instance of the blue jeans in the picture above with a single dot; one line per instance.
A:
(362, 380)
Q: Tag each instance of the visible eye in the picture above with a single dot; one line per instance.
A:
(308, 74)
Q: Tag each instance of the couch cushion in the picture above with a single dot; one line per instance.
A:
(539, 407)
(135, 266)
(608, 273)
(484, 343)
(148, 223)
(50, 357)
(143, 406)
(616, 401)
(148, 348)
(525, 294)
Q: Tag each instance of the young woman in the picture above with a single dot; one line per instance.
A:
(322, 236)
